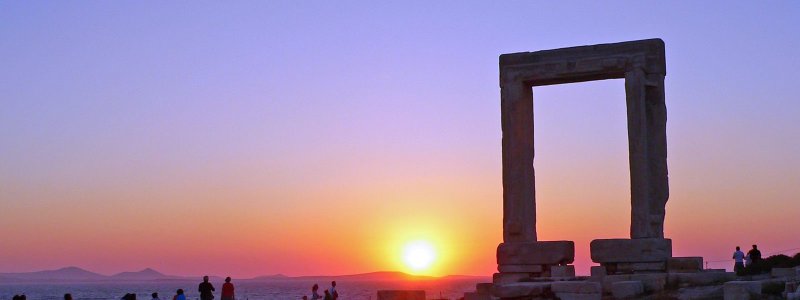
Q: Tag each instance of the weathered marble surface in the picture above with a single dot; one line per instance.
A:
(685, 264)
(627, 289)
(742, 290)
(536, 253)
(642, 64)
(630, 250)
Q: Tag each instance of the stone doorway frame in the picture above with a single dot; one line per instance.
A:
(642, 64)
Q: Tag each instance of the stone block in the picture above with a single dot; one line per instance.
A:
(641, 267)
(536, 253)
(630, 250)
(476, 296)
(597, 271)
(570, 296)
(576, 287)
(520, 268)
(521, 289)
(484, 288)
(699, 293)
(699, 279)
(742, 290)
(790, 287)
(654, 282)
(627, 289)
(715, 270)
(562, 271)
(783, 272)
(684, 264)
(401, 295)
(504, 278)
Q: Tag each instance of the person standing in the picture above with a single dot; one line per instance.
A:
(227, 290)
(738, 258)
(334, 293)
(754, 254)
(315, 292)
(179, 295)
(206, 289)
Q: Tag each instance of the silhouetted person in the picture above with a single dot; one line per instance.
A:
(155, 296)
(305, 297)
(129, 296)
(179, 295)
(227, 290)
(206, 289)
(333, 291)
(738, 258)
(754, 254)
(314, 292)
(67, 296)
(16, 297)
(328, 295)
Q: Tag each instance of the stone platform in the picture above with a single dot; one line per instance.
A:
(536, 253)
(631, 250)
(521, 261)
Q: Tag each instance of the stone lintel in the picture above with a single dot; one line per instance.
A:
(583, 63)
(630, 250)
(536, 253)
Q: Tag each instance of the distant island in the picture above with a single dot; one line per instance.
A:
(76, 274)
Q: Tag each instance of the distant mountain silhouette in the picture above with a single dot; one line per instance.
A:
(146, 274)
(63, 274)
(272, 277)
(75, 274)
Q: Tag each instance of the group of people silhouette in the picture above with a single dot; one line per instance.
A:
(742, 261)
(330, 294)
(205, 288)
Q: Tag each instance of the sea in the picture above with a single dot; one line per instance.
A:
(245, 290)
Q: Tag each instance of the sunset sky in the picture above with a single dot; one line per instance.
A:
(321, 137)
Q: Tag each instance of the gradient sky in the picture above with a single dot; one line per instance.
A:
(303, 137)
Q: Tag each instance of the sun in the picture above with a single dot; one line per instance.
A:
(419, 255)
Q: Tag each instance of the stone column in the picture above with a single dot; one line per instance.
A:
(657, 152)
(519, 200)
(647, 144)
(638, 153)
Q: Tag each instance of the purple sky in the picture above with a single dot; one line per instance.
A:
(131, 112)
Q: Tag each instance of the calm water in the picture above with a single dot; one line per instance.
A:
(245, 290)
